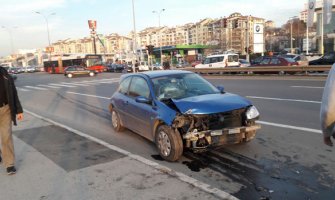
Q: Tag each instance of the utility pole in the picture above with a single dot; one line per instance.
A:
(11, 37)
(160, 35)
(247, 57)
(134, 39)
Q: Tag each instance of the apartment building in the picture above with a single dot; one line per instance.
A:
(225, 33)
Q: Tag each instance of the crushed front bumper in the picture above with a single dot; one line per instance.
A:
(202, 140)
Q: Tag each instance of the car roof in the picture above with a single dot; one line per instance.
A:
(159, 73)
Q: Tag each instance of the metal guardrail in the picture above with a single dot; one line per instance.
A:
(270, 69)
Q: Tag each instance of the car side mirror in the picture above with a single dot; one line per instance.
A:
(141, 99)
(221, 89)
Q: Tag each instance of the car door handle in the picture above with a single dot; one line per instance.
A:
(125, 102)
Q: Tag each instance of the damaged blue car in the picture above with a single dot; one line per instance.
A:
(180, 109)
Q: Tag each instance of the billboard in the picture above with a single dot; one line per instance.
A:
(258, 38)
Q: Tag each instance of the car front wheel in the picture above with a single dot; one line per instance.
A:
(116, 123)
(69, 75)
(91, 73)
(169, 143)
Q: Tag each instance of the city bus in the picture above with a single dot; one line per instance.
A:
(57, 64)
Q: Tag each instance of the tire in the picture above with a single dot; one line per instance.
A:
(116, 123)
(69, 75)
(169, 143)
(281, 73)
(91, 74)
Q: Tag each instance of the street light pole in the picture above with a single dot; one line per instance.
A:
(46, 20)
(135, 39)
(160, 37)
(291, 19)
(11, 37)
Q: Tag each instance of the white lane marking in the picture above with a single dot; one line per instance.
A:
(182, 177)
(308, 87)
(49, 86)
(89, 95)
(23, 90)
(110, 82)
(278, 99)
(291, 127)
(76, 84)
(70, 86)
(34, 87)
(97, 81)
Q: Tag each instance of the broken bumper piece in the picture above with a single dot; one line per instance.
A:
(201, 140)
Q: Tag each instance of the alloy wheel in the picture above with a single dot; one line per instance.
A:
(164, 143)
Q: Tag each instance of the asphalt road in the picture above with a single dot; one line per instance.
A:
(286, 160)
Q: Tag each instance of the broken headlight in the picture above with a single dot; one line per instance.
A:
(252, 113)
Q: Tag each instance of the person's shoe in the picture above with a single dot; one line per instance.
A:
(328, 141)
(0, 159)
(11, 170)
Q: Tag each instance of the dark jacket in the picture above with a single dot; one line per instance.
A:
(13, 99)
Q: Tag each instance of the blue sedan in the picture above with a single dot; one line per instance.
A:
(180, 109)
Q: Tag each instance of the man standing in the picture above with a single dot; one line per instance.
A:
(10, 108)
(327, 111)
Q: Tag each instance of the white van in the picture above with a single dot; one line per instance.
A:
(219, 61)
(143, 66)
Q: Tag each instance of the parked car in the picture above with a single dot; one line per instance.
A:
(13, 76)
(115, 67)
(326, 59)
(182, 64)
(98, 68)
(72, 71)
(193, 64)
(29, 69)
(141, 66)
(275, 61)
(156, 66)
(244, 63)
(14, 70)
(300, 59)
(179, 109)
(268, 61)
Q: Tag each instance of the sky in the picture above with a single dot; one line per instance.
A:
(22, 28)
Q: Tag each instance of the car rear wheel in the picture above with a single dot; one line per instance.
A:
(281, 73)
(91, 73)
(169, 143)
(116, 123)
(69, 75)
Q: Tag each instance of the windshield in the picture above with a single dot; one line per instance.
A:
(179, 86)
(290, 60)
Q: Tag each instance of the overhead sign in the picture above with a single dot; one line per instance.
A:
(258, 38)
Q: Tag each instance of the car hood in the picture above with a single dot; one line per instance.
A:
(211, 103)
